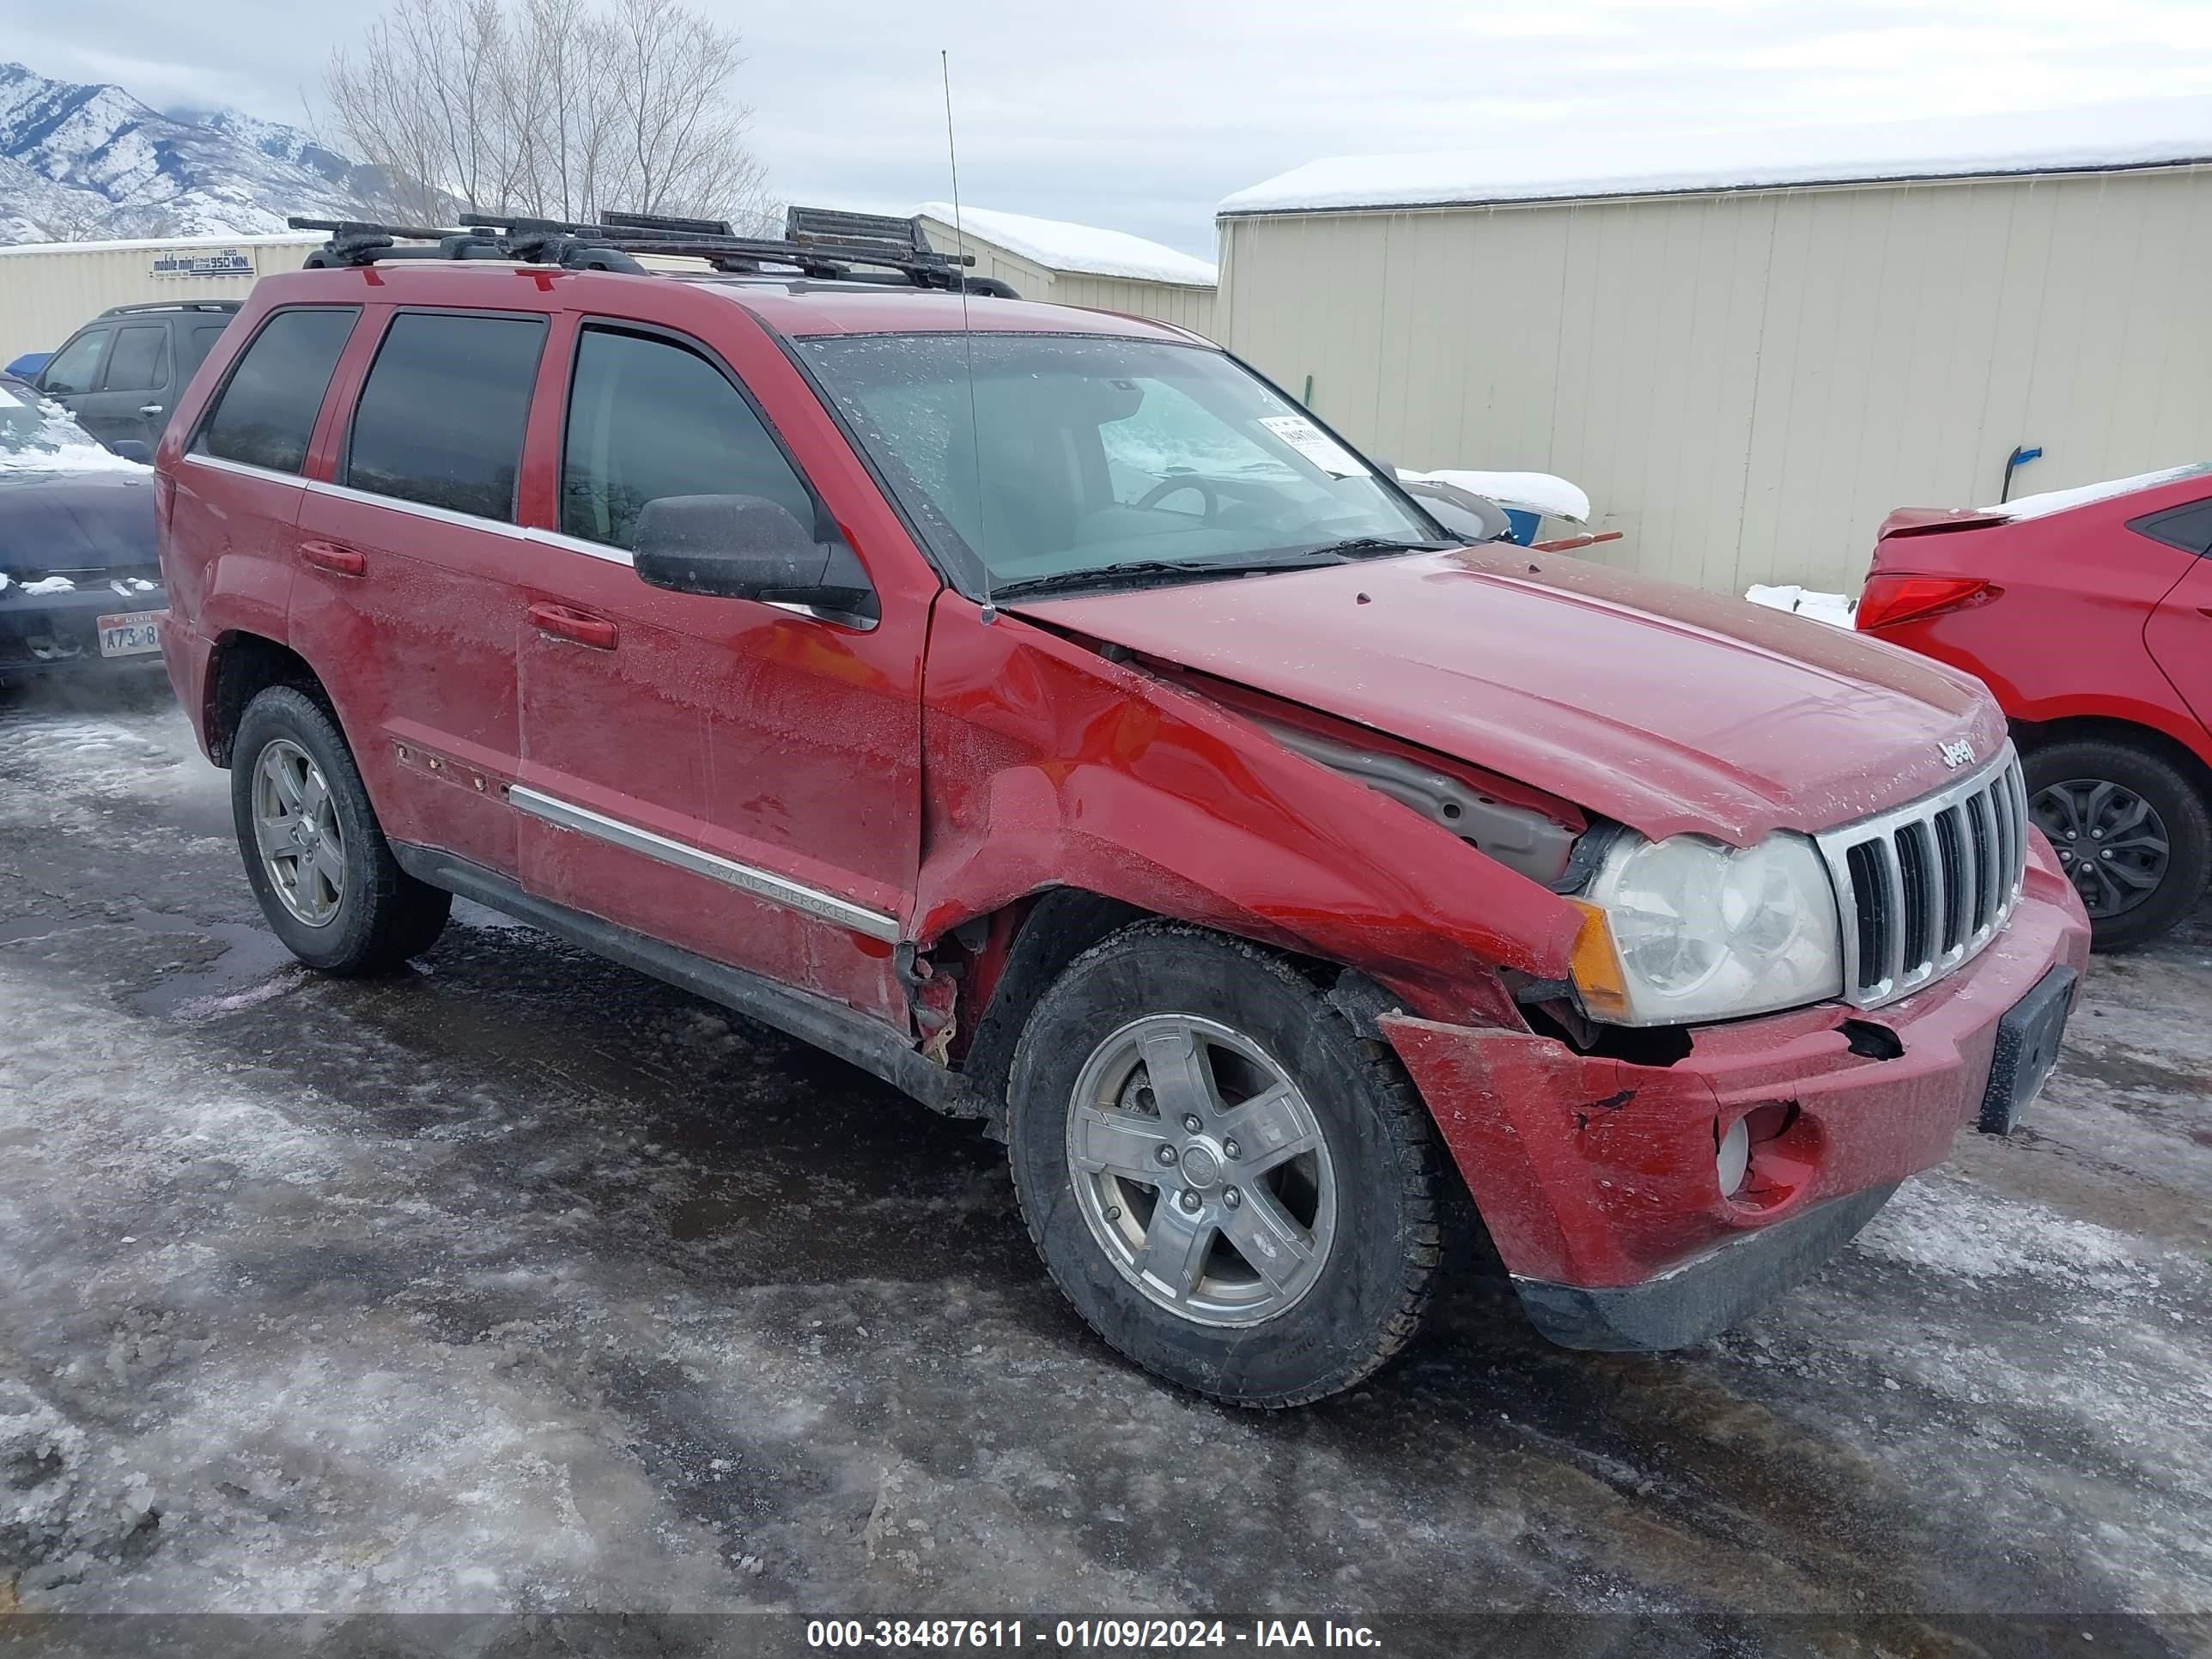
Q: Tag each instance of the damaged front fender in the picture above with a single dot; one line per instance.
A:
(1047, 765)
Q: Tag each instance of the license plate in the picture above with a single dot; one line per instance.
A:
(2026, 1050)
(130, 633)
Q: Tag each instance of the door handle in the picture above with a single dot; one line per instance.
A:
(339, 560)
(149, 409)
(575, 626)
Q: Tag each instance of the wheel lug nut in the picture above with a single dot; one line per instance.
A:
(1190, 1121)
(1232, 1149)
(1231, 1197)
(2096, 834)
(1166, 1155)
(2073, 834)
(1190, 1202)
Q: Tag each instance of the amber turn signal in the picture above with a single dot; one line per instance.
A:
(1595, 965)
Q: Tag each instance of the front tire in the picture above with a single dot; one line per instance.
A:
(1235, 1190)
(314, 854)
(2131, 831)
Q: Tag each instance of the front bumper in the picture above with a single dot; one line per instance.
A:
(43, 634)
(1596, 1178)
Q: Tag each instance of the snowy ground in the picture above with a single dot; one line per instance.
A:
(524, 1285)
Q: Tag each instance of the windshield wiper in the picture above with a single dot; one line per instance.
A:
(1354, 547)
(1107, 575)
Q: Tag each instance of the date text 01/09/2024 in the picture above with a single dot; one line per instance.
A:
(1086, 1634)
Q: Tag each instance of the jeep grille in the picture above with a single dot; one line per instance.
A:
(1926, 886)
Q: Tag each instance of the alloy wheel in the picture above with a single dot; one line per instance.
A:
(296, 827)
(1201, 1170)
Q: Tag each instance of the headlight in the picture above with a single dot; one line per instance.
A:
(1688, 928)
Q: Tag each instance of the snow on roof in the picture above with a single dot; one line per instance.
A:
(286, 238)
(1059, 246)
(1551, 165)
(2061, 500)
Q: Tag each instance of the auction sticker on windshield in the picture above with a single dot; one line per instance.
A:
(1315, 445)
(130, 633)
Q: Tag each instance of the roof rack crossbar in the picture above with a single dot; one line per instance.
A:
(824, 243)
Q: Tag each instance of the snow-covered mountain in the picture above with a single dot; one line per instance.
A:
(89, 162)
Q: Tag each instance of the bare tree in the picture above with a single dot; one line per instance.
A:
(91, 219)
(547, 108)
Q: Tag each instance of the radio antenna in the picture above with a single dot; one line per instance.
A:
(968, 345)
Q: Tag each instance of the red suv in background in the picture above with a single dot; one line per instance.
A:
(2088, 612)
(1039, 710)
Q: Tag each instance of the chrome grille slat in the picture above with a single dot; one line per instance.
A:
(1958, 875)
(1891, 873)
(1981, 822)
(1926, 886)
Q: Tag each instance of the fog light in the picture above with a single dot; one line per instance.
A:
(1735, 1159)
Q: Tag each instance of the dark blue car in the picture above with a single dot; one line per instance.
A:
(80, 574)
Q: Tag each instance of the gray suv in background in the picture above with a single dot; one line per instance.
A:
(121, 373)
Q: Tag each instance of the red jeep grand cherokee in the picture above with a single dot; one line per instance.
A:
(1242, 850)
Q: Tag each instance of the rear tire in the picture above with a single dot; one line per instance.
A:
(2084, 793)
(1245, 1268)
(328, 884)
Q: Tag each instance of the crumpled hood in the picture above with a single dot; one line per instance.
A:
(66, 524)
(1669, 709)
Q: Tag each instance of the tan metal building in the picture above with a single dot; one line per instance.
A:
(1749, 348)
(1073, 265)
(47, 289)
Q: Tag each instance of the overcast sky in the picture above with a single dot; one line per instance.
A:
(1141, 115)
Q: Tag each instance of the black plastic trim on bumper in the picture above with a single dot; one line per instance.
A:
(2027, 1049)
(1703, 1298)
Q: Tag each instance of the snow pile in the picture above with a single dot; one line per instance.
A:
(1059, 246)
(2058, 500)
(1543, 493)
(1834, 609)
(1548, 164)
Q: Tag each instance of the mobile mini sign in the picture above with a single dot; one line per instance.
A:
(203, 262)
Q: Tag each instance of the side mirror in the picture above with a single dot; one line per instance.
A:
(1463, 512)
(746, 547)
(133, 449)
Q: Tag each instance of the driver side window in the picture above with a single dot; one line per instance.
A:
(647, 419)
(75, 367)
(1171, 432)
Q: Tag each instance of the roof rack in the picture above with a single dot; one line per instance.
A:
(820, 242)
(173, 305)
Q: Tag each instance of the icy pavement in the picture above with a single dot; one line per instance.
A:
(522, 1284)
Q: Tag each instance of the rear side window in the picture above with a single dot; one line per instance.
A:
(197, 345)
(2188, 526)
(649, 418)
(441, 415)
(75, 367)
(265, 413)
(140, 359)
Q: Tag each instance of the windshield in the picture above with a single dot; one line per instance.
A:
(37, 435)
(1083, 453)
